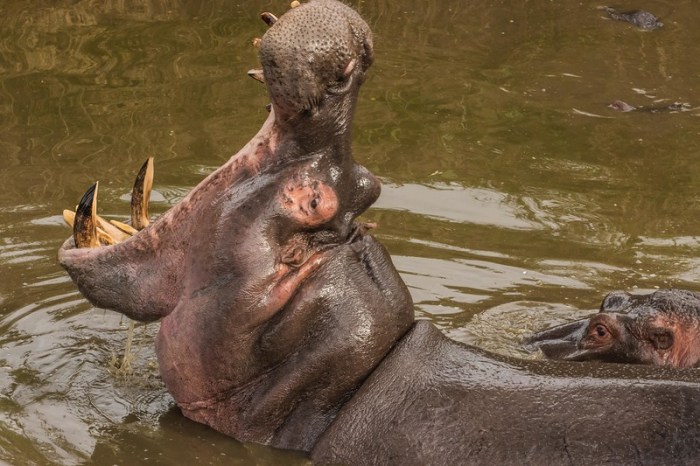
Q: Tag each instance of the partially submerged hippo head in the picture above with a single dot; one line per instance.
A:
(248, 269)
(662, 328)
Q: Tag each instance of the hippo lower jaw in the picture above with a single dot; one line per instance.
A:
(142, 276)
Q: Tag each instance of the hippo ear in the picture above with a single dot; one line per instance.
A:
(616, 301)
(268, 18)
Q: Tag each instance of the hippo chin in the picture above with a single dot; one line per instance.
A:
(283, 322)
(661, 328)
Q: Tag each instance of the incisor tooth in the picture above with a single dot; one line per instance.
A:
(106, 233)
(269, 18)
(257, 75)
(114, 233)
(128, 229)
(69, 217)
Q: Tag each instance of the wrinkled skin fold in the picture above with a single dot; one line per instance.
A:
(284, 322)
(661, 328)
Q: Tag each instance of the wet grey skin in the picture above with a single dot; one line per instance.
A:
(662, 328)
(640, 18)
(283, 322)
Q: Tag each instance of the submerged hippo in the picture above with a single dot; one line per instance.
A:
(640, 18)
(662, 328)
(622, 106)
(284, 322)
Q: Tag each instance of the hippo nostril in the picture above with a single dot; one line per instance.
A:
(341, 85)
(314, 203)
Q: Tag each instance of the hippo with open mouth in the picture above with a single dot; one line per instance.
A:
(661, 328)
(284, 322)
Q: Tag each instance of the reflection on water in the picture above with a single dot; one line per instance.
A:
(508, 204)
(454, 203)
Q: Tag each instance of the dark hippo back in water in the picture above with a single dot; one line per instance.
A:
(640, 18)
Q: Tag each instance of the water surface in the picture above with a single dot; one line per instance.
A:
(513, 197)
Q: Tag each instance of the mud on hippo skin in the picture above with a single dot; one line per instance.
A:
(661, 328)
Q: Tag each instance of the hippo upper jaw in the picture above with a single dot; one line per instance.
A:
(312, 76)
(560, 342)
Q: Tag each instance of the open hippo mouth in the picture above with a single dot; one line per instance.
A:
(283, 322)
(247, 268)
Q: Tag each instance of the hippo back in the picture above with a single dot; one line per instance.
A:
(437, 401)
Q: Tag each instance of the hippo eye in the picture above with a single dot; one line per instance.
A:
(314, 203)
(662, 340)
(601, 330)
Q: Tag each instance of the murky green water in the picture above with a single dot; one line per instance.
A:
(513, 198)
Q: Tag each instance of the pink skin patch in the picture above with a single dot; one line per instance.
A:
(681, 349)
(310, 202)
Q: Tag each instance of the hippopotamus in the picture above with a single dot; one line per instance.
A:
(622, 106)
(661, 328)
(640, 18)
(284, 322)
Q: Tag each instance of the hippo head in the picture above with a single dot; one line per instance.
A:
(313, 76)
(275, 303)
(662, 328)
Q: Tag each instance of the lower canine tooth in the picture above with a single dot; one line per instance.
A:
(141, 194)
(84, 224)
(103, 237)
